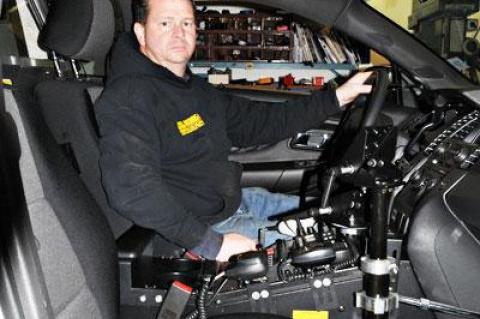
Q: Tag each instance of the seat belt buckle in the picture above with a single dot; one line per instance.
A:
(176, 301)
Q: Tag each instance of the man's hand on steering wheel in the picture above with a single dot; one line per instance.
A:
(355, 86)
(354, 121)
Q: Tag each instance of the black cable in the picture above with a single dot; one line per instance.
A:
(355, 255)
(217, 291)
(200, 312)
(202, 295)
(280, 272)
(353, 260)
(192, 315)
(344, 264)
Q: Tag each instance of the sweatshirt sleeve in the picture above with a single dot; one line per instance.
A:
(131, 173)
(252, 123)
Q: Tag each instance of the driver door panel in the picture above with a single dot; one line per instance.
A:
(279, 167)
(276, 167)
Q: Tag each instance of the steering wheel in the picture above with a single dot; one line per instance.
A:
(355, 119)
(347, 138)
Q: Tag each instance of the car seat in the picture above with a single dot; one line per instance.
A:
(81, 30)
(59, 258)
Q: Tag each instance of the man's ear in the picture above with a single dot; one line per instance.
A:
(139, 30)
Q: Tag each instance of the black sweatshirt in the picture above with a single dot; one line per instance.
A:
(165, 142)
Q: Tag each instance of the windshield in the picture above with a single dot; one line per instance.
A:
(450, 28)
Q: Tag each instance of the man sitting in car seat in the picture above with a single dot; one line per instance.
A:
(166, 136)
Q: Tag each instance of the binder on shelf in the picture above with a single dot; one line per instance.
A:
(335, 48)
(313, 48)
(322, 47)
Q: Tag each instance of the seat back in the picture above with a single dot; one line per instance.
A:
(126, 12)
(71, 254)
(68, 113)
(65, 104)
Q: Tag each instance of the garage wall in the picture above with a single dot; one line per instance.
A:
(396, 10)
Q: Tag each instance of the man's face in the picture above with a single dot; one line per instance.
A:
(169, 33)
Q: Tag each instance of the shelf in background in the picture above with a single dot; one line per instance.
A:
(240, 47)
(269, 32)
(270, 65)
(207, 15)
(295, 90)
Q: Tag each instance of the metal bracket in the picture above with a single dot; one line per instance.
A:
(347, 170)
(378, 305)
(377, 267)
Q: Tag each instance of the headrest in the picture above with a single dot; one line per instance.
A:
(79, 29)
(126, 9)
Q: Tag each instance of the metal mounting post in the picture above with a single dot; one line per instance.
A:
(376, 299)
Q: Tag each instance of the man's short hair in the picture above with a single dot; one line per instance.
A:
(140, 10)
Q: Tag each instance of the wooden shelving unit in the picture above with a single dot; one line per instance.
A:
(269, 66)
(243, 37)
(252, 45)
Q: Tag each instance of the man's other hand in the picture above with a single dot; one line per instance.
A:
(233, 244)
(349, 90)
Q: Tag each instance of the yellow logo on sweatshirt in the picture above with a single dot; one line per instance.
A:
(190, 124)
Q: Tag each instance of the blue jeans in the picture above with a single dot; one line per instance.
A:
(257, 205)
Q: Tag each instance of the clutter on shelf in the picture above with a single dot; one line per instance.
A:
(248, 35)
(261, 36)
(324, 46)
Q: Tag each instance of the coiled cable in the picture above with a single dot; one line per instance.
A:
(201, 312)
(202, 295)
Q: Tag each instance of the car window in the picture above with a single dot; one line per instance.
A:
(448, 28)
(18, 31)
(11, 31)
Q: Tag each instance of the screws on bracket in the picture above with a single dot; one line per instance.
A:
(264, 294)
